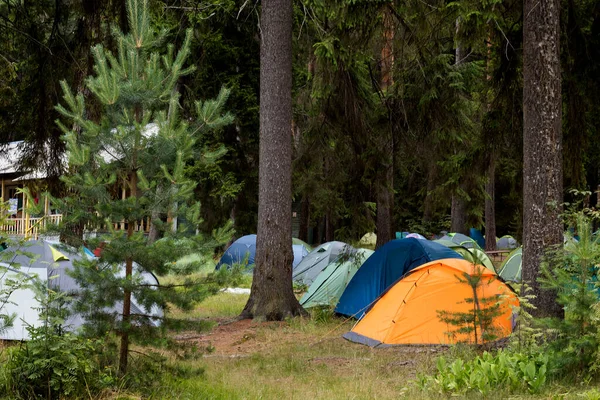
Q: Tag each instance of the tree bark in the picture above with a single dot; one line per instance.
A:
(458, 209)
(272, 297)
(385, 202)
(124, 349)
(542, 145)
(387, 52)
(490, 206)
(458, 215)
(385, 187)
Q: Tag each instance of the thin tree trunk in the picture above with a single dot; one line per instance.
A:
(385, 187)
(387, 52)
(490, 206)
(272, 297)
(124, 349)
(542, 145)
(385, 201)
(458, 210)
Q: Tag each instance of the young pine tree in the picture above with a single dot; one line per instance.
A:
(476, 324)
(127, 167)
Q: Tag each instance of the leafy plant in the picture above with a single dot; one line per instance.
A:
(54, 364)
(514, 371)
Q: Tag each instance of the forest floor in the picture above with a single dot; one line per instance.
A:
(306, 358)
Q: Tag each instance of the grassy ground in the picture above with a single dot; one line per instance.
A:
(301, 358)
(306, 359)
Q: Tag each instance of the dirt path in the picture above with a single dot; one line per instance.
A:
(235, 338)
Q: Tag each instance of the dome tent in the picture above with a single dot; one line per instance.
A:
(311, 266)
(461, 239)
(369, 239)
(48, 264)
(388, 264)
(307, 246)
(238, 251)
(332, 281)
(246, 247)
(512, 266)
(475, 255)
(408, 313)
(506, 242)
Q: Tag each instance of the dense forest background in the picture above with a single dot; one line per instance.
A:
(407, 115)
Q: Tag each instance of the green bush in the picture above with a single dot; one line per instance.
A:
(503, 370)
(53, 366)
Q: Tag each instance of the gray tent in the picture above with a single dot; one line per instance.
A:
(316, 261)
(506, 242)
(50, 263)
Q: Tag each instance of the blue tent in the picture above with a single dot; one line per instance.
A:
(388, 264)
(246, 246)
(477, 236)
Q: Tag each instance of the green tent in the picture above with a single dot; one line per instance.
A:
(511, 267)
(462, 240)
(329, 285)
(307, 246)
(368, 240)
(474, 255)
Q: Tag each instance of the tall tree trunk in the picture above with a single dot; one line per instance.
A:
(304, 219)
(490, 206)
(385, 186)
(385, 200)
(542, 144)
(458, 215)
(272, 297)
(458, 209)
(387, 52)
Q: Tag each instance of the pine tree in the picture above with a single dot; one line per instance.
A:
(476, 324)
(130, 166)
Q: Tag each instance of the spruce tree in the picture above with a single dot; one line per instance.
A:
(129, 166)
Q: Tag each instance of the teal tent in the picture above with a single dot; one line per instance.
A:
(511, 267)
(328, 287)
(474, 255)
(316, 261)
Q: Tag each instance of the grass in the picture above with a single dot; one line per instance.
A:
(301, 359)
(306, 358)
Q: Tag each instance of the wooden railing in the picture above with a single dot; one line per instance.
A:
(29, 226)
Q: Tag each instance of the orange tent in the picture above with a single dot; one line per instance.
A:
(408, 312)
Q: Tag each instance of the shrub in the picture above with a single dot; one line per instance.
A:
(53, 366)
(503, 370)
